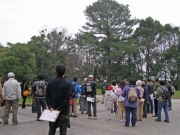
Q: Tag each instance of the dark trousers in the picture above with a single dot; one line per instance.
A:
(93, 105)
(61, 122)
(170, 104)
(24, 101)
(115, 106)
(145, 109)
(155, 106)
(130, 110)
(40, 102)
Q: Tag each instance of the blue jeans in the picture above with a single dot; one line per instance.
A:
(163, 105)
(40, 102)
(129, 110)
(150, 106)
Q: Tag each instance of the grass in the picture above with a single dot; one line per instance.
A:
(28, 100)
(98, 92)
(176, 95)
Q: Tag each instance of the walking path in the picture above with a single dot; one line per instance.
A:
(84, 126)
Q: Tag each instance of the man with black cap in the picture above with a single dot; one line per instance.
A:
(11, 93)
(90, 91)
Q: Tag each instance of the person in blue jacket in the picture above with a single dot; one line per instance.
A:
(130, 107)
(77, 89)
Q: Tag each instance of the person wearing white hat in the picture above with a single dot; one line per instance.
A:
(90, 91)
(11, 94)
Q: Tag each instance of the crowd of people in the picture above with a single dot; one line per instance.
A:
(135, 98)
(138, 98)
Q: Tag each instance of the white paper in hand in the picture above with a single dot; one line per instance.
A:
(48, 115)
(90, 99)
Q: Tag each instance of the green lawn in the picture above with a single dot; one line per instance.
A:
(28, 100)
(176, 95)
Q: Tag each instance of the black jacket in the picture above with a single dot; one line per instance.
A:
(58, 94)
(93, 86)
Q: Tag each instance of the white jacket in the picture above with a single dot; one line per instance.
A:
(11, 90)
(110, 98)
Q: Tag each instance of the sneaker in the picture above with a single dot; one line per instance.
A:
(68, 129)
(5, 123)
(57, 129)
(15, 123)
(126, 126)
(95, 117)
(38, 119)
(0, 122)
(89, 117)
(154, 116)
(75, 116)
(166, 120)
(158, 120)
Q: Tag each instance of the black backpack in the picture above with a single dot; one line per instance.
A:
(165, 95)
(73, 91)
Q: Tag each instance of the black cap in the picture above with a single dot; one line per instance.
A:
(0, 75)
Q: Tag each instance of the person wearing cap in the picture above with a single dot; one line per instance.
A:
(110, 97)
(90, 91)
(11, 93)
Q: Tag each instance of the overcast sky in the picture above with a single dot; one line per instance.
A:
(22, 19)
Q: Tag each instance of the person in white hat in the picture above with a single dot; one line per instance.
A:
(90, 90)
(11, 94)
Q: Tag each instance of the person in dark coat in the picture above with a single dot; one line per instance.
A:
(23, 88)
(146, 99)
(58, 94)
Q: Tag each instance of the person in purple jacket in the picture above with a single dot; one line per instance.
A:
(129, 106)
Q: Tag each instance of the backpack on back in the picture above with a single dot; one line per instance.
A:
(173, 90)
(132, 95)
(110, 97)
(104, 88)
(165, 95)
(40, 88)
(73, 91)
(88, 87)
(118, 92)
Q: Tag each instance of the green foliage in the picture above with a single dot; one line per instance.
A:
(19, 60)
(176, 95)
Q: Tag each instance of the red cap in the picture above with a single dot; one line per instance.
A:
(110, 87)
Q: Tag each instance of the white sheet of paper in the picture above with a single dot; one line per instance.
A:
(49, 116)
(90, 99)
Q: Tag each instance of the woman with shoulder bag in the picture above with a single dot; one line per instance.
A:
(25, 92)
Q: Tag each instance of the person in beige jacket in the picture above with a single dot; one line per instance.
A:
(11, 93)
